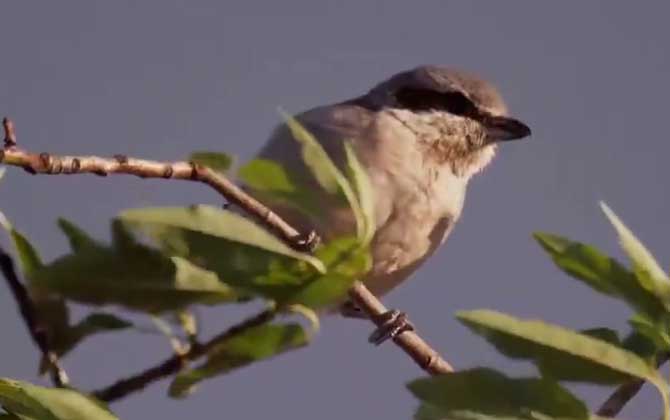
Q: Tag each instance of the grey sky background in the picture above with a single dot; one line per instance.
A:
(160, 79)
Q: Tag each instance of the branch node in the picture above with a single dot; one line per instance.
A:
(194, 170)
(76, 165)
(121, 159)
(46, 162)
(168, 171)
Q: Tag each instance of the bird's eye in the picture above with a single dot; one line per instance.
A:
(417, 99)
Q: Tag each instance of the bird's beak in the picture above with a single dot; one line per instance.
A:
(505, 128)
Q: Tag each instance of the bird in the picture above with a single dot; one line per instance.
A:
(421, 135)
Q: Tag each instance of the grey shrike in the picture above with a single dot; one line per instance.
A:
(421, 135)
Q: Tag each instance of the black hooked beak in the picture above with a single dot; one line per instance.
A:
(505, 128)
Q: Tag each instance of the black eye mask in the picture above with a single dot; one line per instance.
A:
(418, 99)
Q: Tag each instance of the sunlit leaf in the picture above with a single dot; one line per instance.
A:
(487, 392)
(327, 174)
(602, 273)
(648, 272)
(217, 223)
(347, 261)
(272, 183)
(252, 345)
(29, 259)
(559, 352)
(364, 193)
(36, 402)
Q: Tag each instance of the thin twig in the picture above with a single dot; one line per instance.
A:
(29, 314)
(625, 392)
(177, 362)
(45, 163)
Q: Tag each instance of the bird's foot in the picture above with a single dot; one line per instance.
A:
(393, 323)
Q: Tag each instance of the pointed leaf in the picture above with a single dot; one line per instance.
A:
(252, 345)
(558, 352)
(217, 223)
(487, 392)
(648, 271)
(324, 170)
(131, 275)
(346, 261)
(273, 184)
(24, 399)
(77, 237)
(29, 259)
(238, 251)
(600, 272)
(220, 162)
(95, 323)
(656, 331)
(364, 193)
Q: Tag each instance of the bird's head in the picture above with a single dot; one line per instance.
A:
(458, 117)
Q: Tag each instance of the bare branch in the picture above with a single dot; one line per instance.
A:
(177, 362)
(48, 164)
(624, 393)
(45, 163)
(29, 314)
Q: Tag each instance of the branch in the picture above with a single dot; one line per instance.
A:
(624, 393)
(45, 163)
(29, 314)
(415, 347)
(48, 164)
(177, 362)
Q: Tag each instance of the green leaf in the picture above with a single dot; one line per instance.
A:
(346, 261)
(252, 345)
(64, 337)
(558, 352)
(36, 402)
(315, 157)
(52, 311)
(648, 272)
(658, 332)
(29, 259)
(220, 162)
(272, 183)
(364, 193)
(131, 275)
(600, 272)
(327, 174)
(487, 392)
(94, 323)
(216, 223)
(77, 237)
(241, 253)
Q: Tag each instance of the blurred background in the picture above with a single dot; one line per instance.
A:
(159, 79)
